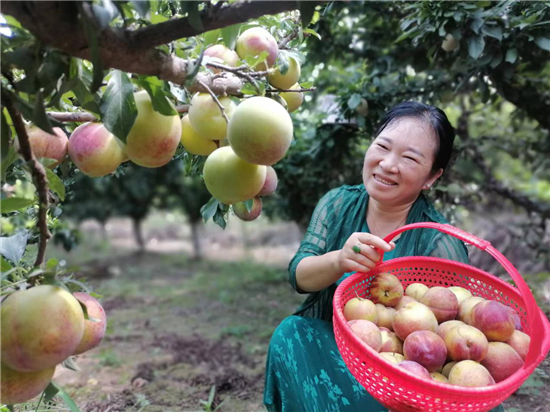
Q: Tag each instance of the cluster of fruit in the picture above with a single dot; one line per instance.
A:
(438, 333)
(42, 327)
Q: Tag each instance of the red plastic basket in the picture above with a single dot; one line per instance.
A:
(401, 390)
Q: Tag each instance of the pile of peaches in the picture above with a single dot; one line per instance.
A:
(439, 333)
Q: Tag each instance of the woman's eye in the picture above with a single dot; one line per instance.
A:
(382, 146)
(410, 158)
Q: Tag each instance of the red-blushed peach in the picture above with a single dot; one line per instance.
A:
(227, 56)
(502, 361)
(368, 332)
(412, 317)
(427, 348)
(360, 308)
(50, 146)
(466, 306)
(385, 316)
(445, 327)
(460, 293)
(392, 357)
(253, 42)
(520, 342)
(464, 342)
(494, 320)
(447, 368)
(470, 373)
(270, 184)
(18, 387)
(386, 289)
(415, 368)
(94, 330)
(242, 212)
(436, 376)
(517, 319)
(442, 302)
(416, 290)
(404, 300)
(390, 341)
(41, 327)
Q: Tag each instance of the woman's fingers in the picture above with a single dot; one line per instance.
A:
(375, 241)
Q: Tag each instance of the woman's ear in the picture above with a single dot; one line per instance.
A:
(432, 179)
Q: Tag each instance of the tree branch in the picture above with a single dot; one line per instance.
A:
(39, 177)
(217, 102)
(82, 117)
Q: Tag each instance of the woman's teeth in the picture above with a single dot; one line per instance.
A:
(386, 182)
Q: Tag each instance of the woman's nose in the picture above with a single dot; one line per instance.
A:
(389, 164)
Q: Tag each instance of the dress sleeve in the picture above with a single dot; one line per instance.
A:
(315, 240)
(449, 247)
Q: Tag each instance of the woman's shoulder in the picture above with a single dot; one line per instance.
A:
(346, 191)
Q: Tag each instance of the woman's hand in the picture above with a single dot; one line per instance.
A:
(358, 253)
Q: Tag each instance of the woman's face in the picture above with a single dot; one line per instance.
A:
(398, 163)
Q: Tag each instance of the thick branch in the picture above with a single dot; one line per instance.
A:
(39, 177)
(82, 117)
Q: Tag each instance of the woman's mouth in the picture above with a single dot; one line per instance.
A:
(384, 181)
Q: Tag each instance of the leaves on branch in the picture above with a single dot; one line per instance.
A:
(142, 7)
(118, 106)
(13, 247)
(155, 89)
(93, 44)
(229, 35)
(55, 184)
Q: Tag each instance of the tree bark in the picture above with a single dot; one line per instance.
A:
(197, 248)
(138, 233)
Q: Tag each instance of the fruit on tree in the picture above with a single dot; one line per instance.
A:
(450, 43)
(386, 289)
(363, 108)
(368, 332)
(18, 387)
(154, 138)
(260, 131)
(460, 293)
(50, 146)
(206, 116)
(95, 150)
(227, 56)
(253, 42)
(270, 184)
(94, 330)
(464, 342)
(427, 348)
(412, 317)
(41, 327)
(416, 290)
(494, 320)
(193, 142)
(360, 308)
(287, 80)
(293, 99)
(230, 179)
(470, 373)
(442, 302)
(242, 212)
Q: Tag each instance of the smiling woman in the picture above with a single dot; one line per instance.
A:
(412, 148)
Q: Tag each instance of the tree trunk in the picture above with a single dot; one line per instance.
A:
(103, 225)
(195, 229)
(138, 234)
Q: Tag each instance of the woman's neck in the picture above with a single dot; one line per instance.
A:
(383, 219)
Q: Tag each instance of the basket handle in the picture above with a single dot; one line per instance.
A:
(540, 329)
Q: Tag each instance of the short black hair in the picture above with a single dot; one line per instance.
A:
(435, 117)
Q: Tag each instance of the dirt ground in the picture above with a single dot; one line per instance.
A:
(180, 330)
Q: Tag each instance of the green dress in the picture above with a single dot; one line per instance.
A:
(304, 369)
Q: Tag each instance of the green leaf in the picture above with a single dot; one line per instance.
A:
(306, 85)
(211, 37)
(307, 9)
(11, 157)
(354, 101)
(5, 265)
(85, 98)
(105, 13)
(229, 35)
(6, 137)
(155, 88)
(313, 33)
(193, 15)
(55, 184)
(142, 7)
(40, 117)
(11, 204)
(13, 247)
(66, 398)
(511, 56)
(50, 391)
(476, 24)
(95, 51)
(543, 43)
(209, 209)
(249, 203)
(476, 46)
(483, 89)
(492, 31)
(118, 106)
(253, 61)
(219, 218)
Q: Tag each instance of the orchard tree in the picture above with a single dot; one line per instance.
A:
(116, 76)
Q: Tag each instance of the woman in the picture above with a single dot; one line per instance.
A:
(412, 147)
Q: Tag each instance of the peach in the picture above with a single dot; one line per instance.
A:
(460, 293)
(390, 341)
(386, 289)
(154, 138)
(287, 80)
(517, 319)
(427, 348)
(270, 184)
(412, 317)
(19, 387)
(360, 308)
(447, 368)
(416, 290)
(227, 56)
(404, 300)
(436, 376)
(41, 327)
(520, 342)
(415, 368)
(242, 212)
(95, 150)
(465, 342)
(392, 357)
(470, 373)
(442, 302)
(193, 142)
(293, 99)
(501, 361)
(466, 306)
(494, 320)
(253, 42)
(94, 329)
(445, 327)
(46, 145)
(368, 332)
(206, 117)
(260, 131)
(385, 316)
